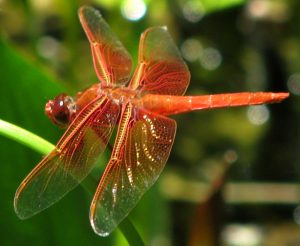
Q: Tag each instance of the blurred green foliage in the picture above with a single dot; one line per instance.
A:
(43, 52)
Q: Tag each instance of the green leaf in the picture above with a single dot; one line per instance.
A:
(217, 5)
(210, 6)
(24, 90)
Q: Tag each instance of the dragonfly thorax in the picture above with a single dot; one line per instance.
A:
(121, 95)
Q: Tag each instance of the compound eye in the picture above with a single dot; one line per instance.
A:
(61, 110)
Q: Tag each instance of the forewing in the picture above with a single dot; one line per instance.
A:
(71, 160)
(148, 145)
(112, 62)
(161, 69)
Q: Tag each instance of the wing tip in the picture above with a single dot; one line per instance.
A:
(85, 9)
(104, 225)
(21, 214)
(153, 29)
(20, 210)
(82, 9)
(16, 203)
(97, 230)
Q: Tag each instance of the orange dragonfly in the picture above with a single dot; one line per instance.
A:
(145, 133)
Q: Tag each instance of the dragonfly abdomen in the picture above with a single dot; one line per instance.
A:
(169, 105)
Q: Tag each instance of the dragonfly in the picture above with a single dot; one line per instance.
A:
(138, 106)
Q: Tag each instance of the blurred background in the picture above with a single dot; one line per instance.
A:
(233, 174)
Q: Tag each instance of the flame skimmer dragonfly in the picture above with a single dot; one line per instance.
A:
(145, 133)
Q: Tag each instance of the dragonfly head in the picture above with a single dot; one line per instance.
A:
(61, 110)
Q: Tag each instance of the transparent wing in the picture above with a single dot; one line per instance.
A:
(148, 144)
(112, 61)
(71, 160)
(161, 69)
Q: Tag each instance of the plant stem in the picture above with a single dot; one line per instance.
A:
(25, 137)
(130, 233)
